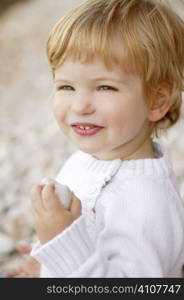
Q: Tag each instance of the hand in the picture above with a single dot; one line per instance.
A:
(29, 268)
(50, 216)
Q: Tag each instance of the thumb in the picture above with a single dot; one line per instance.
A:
(76, 206)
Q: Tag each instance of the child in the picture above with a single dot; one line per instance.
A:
(118, 70)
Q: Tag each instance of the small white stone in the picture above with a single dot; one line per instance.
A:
(7, 244)
(62, 191)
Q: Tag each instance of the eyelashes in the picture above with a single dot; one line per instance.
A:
(107, 88)
(99, 88)
(65, 88)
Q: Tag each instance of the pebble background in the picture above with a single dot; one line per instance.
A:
(31, 145)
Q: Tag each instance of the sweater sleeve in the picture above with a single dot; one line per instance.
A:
(142, 237)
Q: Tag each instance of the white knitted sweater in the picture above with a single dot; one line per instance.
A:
(132, 222)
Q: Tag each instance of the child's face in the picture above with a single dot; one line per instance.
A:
(113, 100)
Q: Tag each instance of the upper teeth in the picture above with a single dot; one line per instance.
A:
(84, 127)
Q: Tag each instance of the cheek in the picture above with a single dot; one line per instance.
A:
(59, 112)
(128, 119)
(119, 118)
(136, 120)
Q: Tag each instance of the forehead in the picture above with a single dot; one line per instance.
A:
(73, 67)
(81, 73)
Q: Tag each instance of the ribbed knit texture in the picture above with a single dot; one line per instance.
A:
(132, 222)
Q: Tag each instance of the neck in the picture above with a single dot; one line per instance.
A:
(144, 150)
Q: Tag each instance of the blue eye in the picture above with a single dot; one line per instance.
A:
(107, 88)
(65, 88)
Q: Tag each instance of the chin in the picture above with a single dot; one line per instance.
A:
(89, 150)
(96, 152)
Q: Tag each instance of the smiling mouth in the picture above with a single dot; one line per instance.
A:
(85, 126)
(86, 130)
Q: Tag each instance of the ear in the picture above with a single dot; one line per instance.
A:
(160, 103)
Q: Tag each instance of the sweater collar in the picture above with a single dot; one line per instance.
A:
(159, 166)
(87, 176)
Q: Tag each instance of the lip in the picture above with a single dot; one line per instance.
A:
(87, 132)
(86, 124)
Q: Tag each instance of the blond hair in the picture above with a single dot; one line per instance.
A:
(144, 37)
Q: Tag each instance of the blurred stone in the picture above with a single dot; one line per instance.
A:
(7, 244)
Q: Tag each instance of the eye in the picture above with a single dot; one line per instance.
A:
(65, 88)
(107, 88)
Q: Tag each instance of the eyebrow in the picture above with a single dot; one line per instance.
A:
(64, 80)
(109, 79)
(95, 79)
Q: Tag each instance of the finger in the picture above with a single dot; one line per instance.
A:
(12, 273)
(50, 200)
(24, 249)
(21, 275)
(76, 206)
(36, 197)
(29, 275)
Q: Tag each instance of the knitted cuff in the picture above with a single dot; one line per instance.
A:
(66, 252)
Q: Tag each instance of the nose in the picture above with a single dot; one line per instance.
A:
(83, 104)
